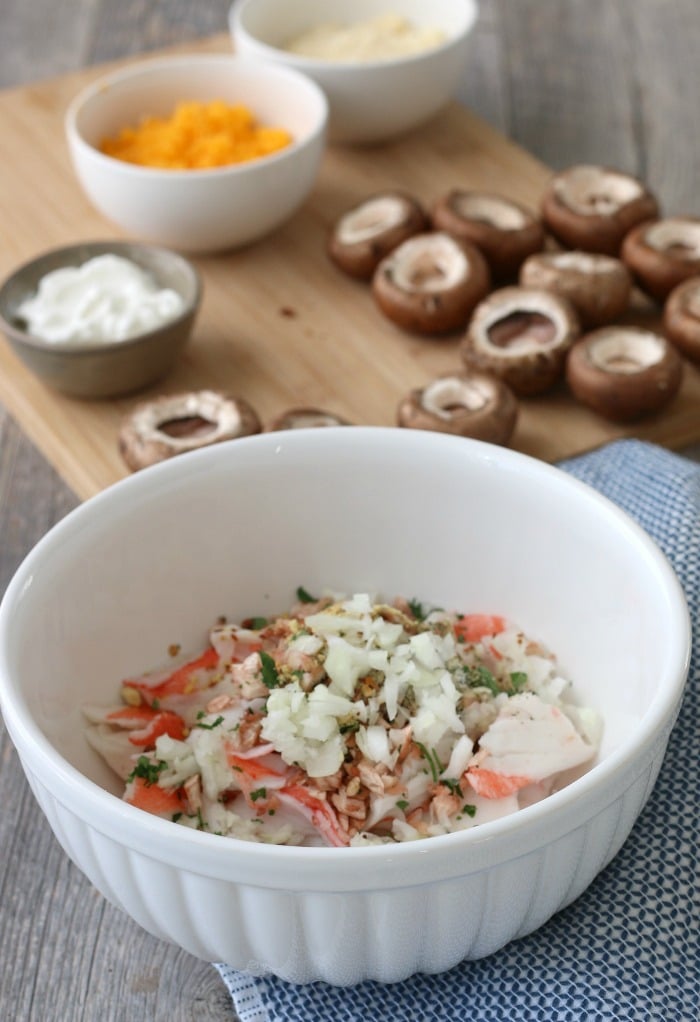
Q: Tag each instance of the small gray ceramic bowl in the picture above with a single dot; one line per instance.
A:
(104, 368)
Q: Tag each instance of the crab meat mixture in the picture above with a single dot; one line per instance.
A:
(348, 722)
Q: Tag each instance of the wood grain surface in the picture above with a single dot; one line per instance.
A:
(279, 324)
(614, 81)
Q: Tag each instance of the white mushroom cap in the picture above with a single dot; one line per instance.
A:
(469, 404)
(428, 263)
(598, 286)
(593, 208)
(522, 335)
(624, 372)
(681, 318)
(624, 351)
(222, 415)
(431, 282)
(588, 263)
(491, 209)
(501, 305)
(677, 235)
(590, 190)
(370, 218)
(178, 423)
(305, 418)
(364, 235)
(448, 395)
(662, 253)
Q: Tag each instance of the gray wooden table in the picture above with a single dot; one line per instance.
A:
(609, 81)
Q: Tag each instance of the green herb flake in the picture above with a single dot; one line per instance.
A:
(431, 758)
(417, 610)
(452, 785)
(469, 810)
(518, 680)
(270, 677)
(305, 597)
(210, 727)
(258, 793)
(481, 677)
(147, 770)
(402, 804)
(256, 623)
(175, 817)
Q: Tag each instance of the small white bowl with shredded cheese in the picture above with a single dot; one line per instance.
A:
(100, 319)
(385, 68)
(139, 575)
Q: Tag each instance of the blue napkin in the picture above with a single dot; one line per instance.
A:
(628, 949)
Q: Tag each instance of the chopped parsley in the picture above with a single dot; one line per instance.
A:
(258, 793)
(209, 727)
(256, 623)
(270, 676)
(417, 610)
(147, 770)
(469, 810)
(481, 677)
(518, 680)
(402, 804)
(305, 597)
(452, 785)
(431, 758)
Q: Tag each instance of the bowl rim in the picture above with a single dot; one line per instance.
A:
(321, 868)
(140, 67)
(121, 247)
(320, 64)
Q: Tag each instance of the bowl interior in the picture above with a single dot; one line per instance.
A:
(276, 96)
(235, 529)
(275, 24)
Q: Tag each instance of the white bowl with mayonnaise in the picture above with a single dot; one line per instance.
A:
(386, 68)
(234, 530)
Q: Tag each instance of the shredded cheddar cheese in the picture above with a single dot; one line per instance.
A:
(196, 136)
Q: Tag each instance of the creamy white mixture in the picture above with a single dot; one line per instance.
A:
(108, 298)
(381, 38)
(348, 722)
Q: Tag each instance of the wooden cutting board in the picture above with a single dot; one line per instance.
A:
(279, 324)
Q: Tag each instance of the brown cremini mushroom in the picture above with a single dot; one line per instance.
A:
(598, 286)
(468, 404)
(522, 336)
(624, 372)
(157, 430)
(305, 418)
(431, 283)
(682, 318)
(503, 230)
(363, 236)
(592, 208)
(663, 253)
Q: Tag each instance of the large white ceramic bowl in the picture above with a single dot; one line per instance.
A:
(374, 101)
(235, 529)
(198, 210)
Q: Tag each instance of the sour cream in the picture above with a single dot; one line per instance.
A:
(381, 38)
(108, 298)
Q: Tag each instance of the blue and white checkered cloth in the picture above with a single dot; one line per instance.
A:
(628, 950)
